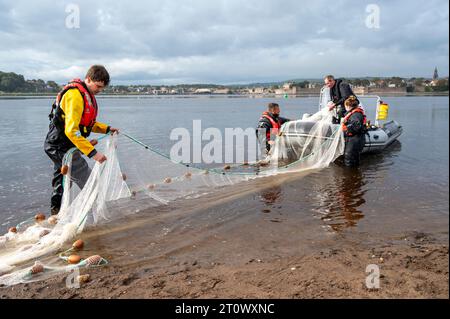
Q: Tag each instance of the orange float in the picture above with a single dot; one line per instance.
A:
(74, 259)
(39, 217)
(37, 268)
(64, 169)
(78, 245)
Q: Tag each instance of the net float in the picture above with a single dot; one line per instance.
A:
(188, 174)
(64, 169)
(245, 164)
(78, 245)
(12, 230)
(151, 186)
(94, 260)
(83, 278)
(39, 217)
(168, 180)
(227, 167)
(93, 142)
(74, 259)
(124, 176)
(36, 269)
(52, 220)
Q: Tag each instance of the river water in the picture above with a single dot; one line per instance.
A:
(405, 186)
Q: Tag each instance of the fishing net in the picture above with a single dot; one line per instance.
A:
(137, 177)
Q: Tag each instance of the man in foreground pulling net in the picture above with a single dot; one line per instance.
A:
(72, 119)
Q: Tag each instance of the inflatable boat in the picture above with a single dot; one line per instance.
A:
(379, 135)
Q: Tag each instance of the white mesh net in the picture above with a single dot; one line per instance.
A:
(147, 178)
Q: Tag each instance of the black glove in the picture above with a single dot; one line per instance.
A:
(335, 120)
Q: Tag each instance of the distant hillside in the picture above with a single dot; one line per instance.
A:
(16, 83)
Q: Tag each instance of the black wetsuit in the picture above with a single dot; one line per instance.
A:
(80, 171)
(265, 126)
(354, 139)
(338, 94)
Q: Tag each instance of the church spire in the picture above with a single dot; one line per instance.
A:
(435, 75)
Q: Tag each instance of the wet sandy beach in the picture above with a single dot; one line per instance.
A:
(266, 239)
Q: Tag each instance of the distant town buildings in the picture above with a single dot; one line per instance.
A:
(393, 85)
(362, 86)
(14, 83)
(202, 91)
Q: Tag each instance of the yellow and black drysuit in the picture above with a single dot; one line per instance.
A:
(72, 119)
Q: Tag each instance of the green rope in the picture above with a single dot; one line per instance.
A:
(157, 152)
(219, 171)
(69, 154)
(212, 170)
(19, 225)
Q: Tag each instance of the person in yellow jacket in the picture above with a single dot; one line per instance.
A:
(72, 119)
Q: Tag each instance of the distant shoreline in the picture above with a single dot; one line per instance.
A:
(131, 95)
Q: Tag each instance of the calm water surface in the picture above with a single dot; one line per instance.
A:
(405, 185)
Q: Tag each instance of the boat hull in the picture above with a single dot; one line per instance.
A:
(377, 139)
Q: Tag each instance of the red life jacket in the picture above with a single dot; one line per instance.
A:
(275, 125)
(90, 109)
(347, 117)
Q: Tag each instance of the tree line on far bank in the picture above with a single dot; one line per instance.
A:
(15, 83)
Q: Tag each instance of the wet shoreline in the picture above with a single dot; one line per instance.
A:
(252, 241)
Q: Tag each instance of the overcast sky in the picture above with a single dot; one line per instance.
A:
(224, 41)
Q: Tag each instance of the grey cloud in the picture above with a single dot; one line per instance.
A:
(224, 41)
